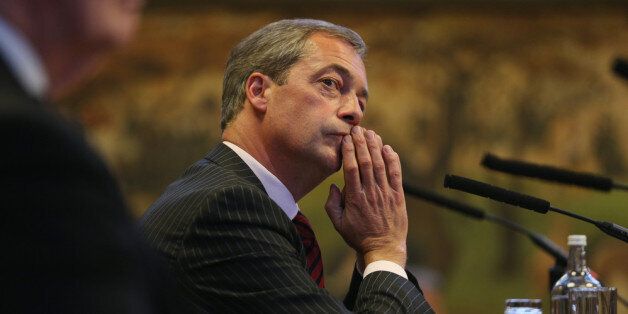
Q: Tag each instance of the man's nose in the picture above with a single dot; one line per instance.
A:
(351, 111)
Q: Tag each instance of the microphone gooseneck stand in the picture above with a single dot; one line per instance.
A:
(528, 202)
(550, 173)
(559, 255)
(532, 203)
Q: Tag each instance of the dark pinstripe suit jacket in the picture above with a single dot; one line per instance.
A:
(69, 245)
(234, 249)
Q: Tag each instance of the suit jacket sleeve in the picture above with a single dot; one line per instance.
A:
(242, 253)
(356, 281)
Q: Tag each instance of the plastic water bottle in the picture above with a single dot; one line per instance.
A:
(577, 275)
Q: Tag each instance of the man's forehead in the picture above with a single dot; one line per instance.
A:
(325, 40)
(335, 52)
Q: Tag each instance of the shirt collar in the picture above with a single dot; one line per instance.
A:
(276, 190)
(23, 60)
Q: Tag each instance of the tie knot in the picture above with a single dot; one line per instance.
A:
(303, 226)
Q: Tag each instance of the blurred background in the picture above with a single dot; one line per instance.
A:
(450, 81)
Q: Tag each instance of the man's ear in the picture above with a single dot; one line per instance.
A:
(257, 90)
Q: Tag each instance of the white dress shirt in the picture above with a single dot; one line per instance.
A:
(23, 61)
(279, 193)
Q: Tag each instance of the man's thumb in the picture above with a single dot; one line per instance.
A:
(333, 206)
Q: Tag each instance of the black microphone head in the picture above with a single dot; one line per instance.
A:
(490, 161)
(620, 68)
(496, 193)
(549, 173)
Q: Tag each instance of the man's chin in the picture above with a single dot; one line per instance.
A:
(329, 161)
(333, 164)
(337, 164)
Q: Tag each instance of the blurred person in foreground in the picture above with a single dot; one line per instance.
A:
(294, 93)
(69, 244)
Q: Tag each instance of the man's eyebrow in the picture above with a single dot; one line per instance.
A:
(344, 72)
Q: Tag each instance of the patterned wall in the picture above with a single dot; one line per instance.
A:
(448, 84)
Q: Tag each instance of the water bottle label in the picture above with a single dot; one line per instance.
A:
(522, 310)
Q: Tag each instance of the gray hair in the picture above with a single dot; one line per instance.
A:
(272, 50)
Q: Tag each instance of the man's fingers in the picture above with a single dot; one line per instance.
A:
(363, 156)
(375, 149)
(393, 167)
(333, 206)
(350, 166)
(379, 141)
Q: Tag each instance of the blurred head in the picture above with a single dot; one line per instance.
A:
(70, 36)
(98, 24)
(273, 50)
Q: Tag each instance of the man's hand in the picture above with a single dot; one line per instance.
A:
(370, 213)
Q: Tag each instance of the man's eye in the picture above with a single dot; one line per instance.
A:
(330, 82)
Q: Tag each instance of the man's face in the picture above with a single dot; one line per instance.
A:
(323, 97)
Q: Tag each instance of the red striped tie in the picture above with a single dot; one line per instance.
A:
(312, 251)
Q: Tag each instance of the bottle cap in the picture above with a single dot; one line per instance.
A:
(577, 239)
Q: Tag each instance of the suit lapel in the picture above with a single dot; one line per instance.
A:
(225, 157)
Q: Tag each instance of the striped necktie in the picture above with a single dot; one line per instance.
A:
(312, 251)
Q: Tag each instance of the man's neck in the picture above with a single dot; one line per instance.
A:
(299, 179)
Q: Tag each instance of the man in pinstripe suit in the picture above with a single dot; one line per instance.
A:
(293, 96)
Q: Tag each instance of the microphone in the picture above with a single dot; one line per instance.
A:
(527, 202)
(620, 67)
(501, 195)
(550, 173)
(541, 241)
